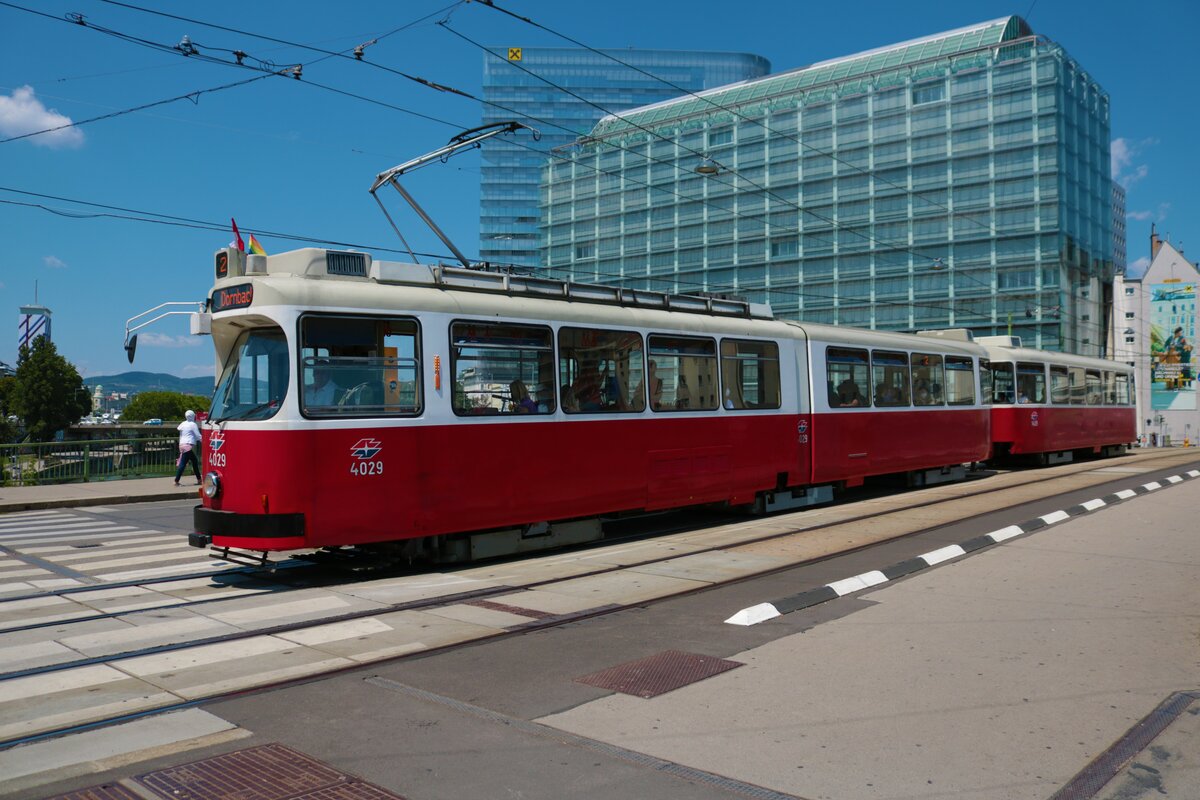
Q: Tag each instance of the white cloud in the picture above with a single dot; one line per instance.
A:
(195, 370)
(1139, 267)
(1157, 215)
(54, 262)
(1122, 154)
(166, 340)
(22, 113)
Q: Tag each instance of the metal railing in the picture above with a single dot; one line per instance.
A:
(41, 463)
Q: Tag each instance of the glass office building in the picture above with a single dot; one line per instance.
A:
(523, 84)
(960, 180)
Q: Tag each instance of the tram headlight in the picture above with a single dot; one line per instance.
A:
(212, 485)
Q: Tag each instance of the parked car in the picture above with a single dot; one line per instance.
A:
(154, 421)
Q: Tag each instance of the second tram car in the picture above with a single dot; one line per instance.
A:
(397, 406)
(1050, 406)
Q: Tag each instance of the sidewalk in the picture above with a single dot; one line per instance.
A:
(95, 493)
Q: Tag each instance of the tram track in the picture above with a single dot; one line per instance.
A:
(443, 600)
(432, 604)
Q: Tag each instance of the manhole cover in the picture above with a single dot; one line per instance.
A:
(658, 674)
(269, 772)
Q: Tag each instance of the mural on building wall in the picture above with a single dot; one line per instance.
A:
(1172, 333)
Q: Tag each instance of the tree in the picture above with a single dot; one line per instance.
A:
(8, 408)
(49, 393)
(162, 405)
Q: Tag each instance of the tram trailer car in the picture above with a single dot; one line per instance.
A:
(1051, 406)
(452, 413)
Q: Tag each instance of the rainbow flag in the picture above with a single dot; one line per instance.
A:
(255, 248)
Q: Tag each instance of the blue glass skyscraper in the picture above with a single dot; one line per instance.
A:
(512, 165)
(961, 179)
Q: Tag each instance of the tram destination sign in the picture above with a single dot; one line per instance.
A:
(232, 297)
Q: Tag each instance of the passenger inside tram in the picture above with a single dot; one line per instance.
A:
(849, 394)
(587, 386)
(519, 399)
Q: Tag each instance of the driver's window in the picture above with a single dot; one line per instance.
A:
(359, 366)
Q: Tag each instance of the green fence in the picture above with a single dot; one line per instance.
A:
(71, 462)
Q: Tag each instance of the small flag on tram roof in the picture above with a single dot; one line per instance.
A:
(254, 248)
(237, 236)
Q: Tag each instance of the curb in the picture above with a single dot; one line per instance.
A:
(831, 591)
(9, 507)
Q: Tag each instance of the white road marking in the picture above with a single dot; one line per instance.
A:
(754, 615)
(943, 554)
(863, 581)
(1006, 533)
(1054, 516)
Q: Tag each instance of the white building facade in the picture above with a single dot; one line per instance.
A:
(1154, 329)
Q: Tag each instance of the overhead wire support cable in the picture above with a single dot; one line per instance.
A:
(728, 109)
(704, 156)
(735, 112)
(194, 96)
(444, 88)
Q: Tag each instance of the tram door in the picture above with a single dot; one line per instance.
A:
(844, 433)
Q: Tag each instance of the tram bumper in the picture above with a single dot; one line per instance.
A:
(250, 531)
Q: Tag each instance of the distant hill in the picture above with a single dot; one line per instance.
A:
(133, 382)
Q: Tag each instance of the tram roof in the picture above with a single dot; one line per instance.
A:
(304, 278)
(999, 351)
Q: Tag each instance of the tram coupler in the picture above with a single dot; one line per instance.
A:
(199, 539)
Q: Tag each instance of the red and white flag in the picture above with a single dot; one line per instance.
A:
(237, 236)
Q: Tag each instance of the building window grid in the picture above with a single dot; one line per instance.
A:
(1028, 216)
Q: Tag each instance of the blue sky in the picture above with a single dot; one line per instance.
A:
(284, 155)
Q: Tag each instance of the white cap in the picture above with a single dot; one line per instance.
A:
(189, 415)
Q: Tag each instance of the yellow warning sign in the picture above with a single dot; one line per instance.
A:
(514, 54)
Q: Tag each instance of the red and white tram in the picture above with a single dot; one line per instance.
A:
(410, 407)
(1053, 405)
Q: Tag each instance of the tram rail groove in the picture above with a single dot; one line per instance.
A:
(480, 594)
(532, 625)
(289, 566)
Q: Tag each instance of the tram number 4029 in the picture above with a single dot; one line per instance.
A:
(366, 468)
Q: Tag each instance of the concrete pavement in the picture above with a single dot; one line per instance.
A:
(94, 493)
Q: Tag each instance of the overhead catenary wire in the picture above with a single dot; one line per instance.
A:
(894, 247)
(138, 215)
(959, 303)
(733, 110)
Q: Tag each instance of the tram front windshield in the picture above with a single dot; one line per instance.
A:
(254, 379)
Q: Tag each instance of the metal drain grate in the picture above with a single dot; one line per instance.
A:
(269, 772)
(518, 610)
(658, 674)
(1106, 766)
(106, 791)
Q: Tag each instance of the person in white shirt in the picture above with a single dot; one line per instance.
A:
(322, 391)
(189, 440)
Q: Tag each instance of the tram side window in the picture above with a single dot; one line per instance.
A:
(847, 377)
(1031, 383)
(254, 378)
(1078, 388)
(502, 368)
(688, 368)
(890, 378)
(750, 374)
(359, 366)
(1002, 383)
(1122, 390)
(1060, 385)
(927, 380)
(1094, 388)
(1110, 388)
(601, 371)
(985, 380)
(960, 381)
